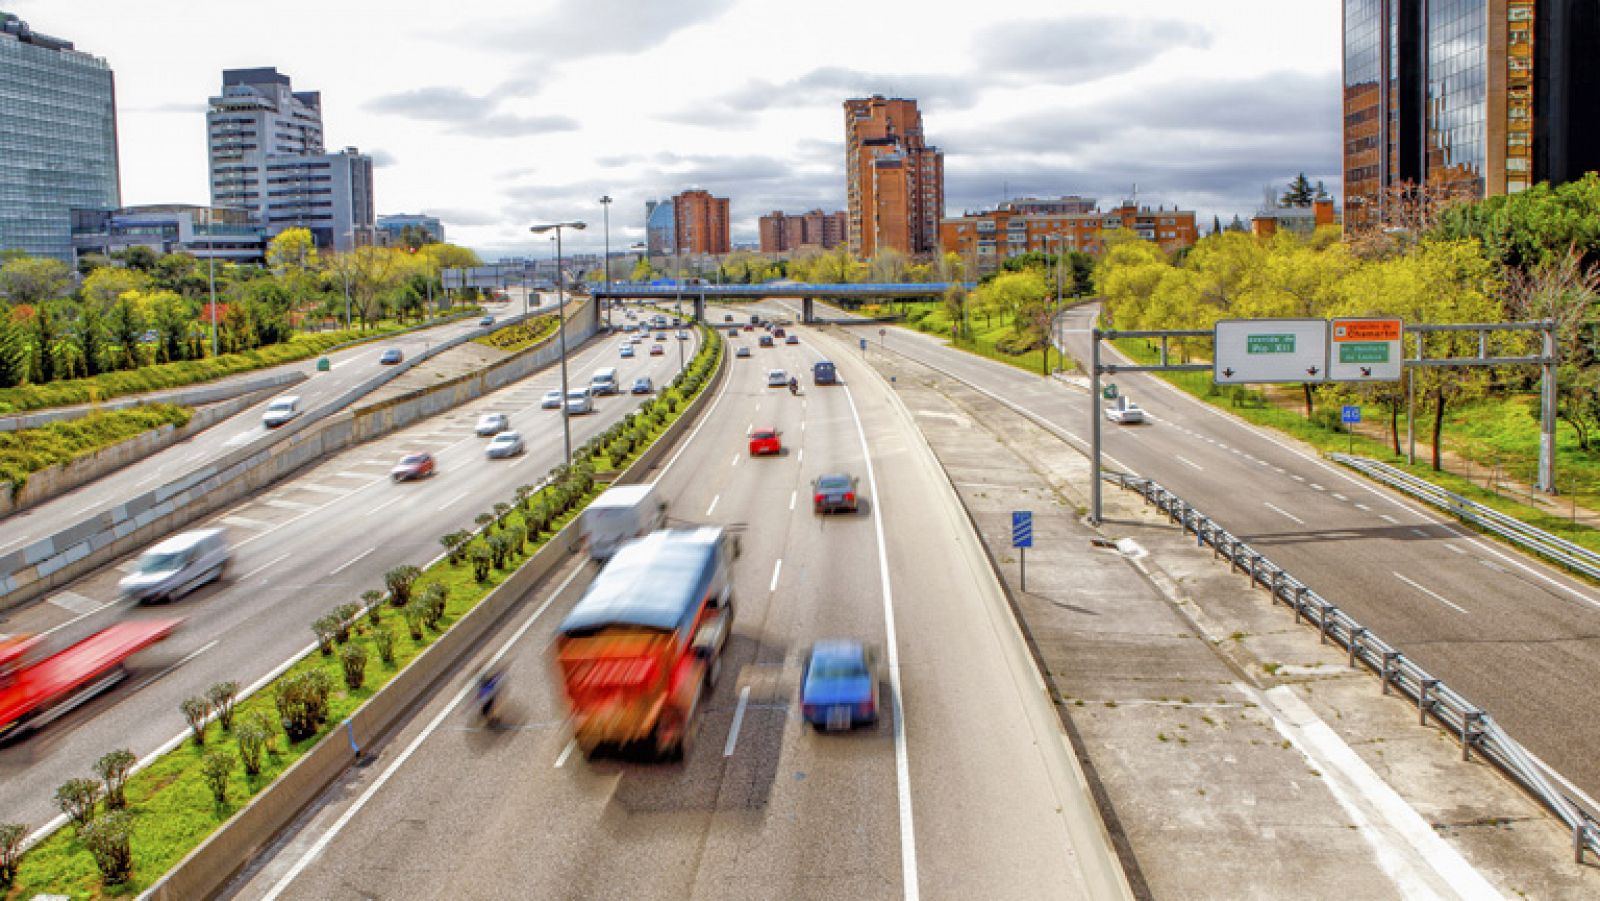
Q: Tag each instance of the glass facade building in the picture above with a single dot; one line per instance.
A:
(1457, 47)
(58, 139)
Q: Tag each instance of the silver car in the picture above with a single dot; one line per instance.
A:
(493, 423)
(552, 399)
(505, 444)
(177, 566)
(580, 401)
(777, 378)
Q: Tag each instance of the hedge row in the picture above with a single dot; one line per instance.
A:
(26, 451)
(513, 338)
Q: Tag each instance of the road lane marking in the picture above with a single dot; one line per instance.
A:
(1387, 518)
(801, 456)
(713, 504)
(1363, 507)
(268, 565)
(188, 657)
(288, 505)
(738, 718)
(1339, 497)
(323, 841)
(566, 752)
(1297, 478)
(902, 758)
(735, 460)
(353, 562)
(1316, 487)
(72, 602)
(1188, 462)
(1433, 594)
(802, 425)
(749, 428)
(792, 495)
(1456, 549)
(244, 522)
(147, 479)
(1278, 509)
(448, 502)
(777, 567)
(394, 500)
(1419, 533)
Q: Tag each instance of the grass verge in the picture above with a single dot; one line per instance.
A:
(27, 451)
(172, 806)
(986, 334)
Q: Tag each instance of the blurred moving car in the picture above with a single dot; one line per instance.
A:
(604, 381)
(177, 566)
(580, 401)
(505, 444)
(765, 441)
(661, 336)
(727, 317)
(486, 321)
(742, 352)
(1125, 411)
(280, 411)
(627, 351)
(823, 373)
(391, 356)
(657, 350)
(835, 491)
(733, 333)
(551, 400)
(777, 378)
(792, 339)
(412, 466)
(643, 385)
(620, 515)
(749, 328)
(839, 685)
(683, 335)
(778, 333)
(766, 340)
(493, 423)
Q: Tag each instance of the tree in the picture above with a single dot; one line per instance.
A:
(1566, 293)
(1532, 228)
(1216, 224)
(105, 286)
(138, 257)
(33, 280)
(1300, 192)
(14, 364)
(124, 328)
(413, 237)
(642, 272)
(292, 249)
(45, 351)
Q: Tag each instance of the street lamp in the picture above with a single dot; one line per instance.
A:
(561, 329)
(605, 206)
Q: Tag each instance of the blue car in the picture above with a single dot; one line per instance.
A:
(839, 686)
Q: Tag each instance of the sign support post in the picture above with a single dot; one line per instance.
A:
(1022, 539)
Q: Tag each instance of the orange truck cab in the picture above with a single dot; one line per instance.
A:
(644, 644)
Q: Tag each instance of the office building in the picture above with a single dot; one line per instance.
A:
(1482, 97)
(224, 233)
(58, 139)
(391, 227)
(894, 179)
(266, 149)
(987, 238)
(700, 223)
(784, 232)
(661, 237)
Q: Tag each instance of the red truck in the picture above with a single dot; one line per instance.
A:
(36, 686)
(644, 644)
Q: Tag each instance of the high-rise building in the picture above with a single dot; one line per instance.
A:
(894, 179)
(783, 232)
(700, 223)
(391, 227)
(267, 156)
(661, 235)
(58, 139)
(1484, 96)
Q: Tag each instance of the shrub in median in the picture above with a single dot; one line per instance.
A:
(399, 581)
(216, 767)
(302, 700)
(222, 696)
(345, 615)
(113, 768)
(195, 710)
(353, 659)
(327, 631)
(252, 739)
(415, 613)
(373, 599)
(76, 798)
(383, 641)
(481, 558)
(11, 837)
(110, 840)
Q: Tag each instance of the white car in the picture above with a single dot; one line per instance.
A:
(552, 399)
(493, 423)
(280, 411)
(505, 444)
(1124, 411)
(580, 401)
(777, 378)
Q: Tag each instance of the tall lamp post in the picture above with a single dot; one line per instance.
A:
(211, 281)
(561, 329)
(605, 207)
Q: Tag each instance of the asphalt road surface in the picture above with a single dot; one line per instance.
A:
(1519, 638)
(965, 789)
(304, 546)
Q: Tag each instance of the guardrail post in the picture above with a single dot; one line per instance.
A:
(1579, 832)
(1277, 585)
(1322, 627)
(1299, 601)
(1424, 704)
(1469, 735)
(1389, 657)
(1354, 645)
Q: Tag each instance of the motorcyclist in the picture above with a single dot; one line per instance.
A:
(794, 385)
(489, 682)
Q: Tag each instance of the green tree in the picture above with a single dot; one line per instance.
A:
(290, 249)
(1299, 193)
(138, 257)
(14, 364)
(124, 327)
(105, 286)
(28, 281)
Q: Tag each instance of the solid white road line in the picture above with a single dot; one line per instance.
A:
(1432, 594)
(1456, 549)
(1187, 462)
(801, 456)
(713, 504)
(448, 502)
(735, 460)
(902, 761)
(566, 752)
(187, 657)
(344, 819)
(738, 719)
(1419, 533)
(353, 562)
(268, 565)
(393, 500)
(777, 567)
(792, 495)
(1278, 509)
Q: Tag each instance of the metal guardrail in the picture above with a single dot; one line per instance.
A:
(1474, 728)
(1551, 547)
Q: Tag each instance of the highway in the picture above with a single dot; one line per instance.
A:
(968, 791)
(306, 545)
(1515, 636)
(350, 367)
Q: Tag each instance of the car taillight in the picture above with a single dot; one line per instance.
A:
(849, 497)
(864, 710)
(819, 499)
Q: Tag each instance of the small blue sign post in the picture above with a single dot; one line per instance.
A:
(1350, 415)
(863, 345)
(1022, 539)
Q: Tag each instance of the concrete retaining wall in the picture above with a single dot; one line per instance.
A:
(207, 868)
(183, 397)
(51, 562)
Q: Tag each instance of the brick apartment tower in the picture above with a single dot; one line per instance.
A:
(784, 232)
(895, 180)
(701, 223)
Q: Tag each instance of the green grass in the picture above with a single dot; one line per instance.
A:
(26, 451)
(1497, 430)
(172, 806)
(985, 335)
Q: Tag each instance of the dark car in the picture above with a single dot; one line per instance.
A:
(727, 317)
(391, 357)
(823, 373)
(839, 685)
(412, 466)
(643, 385)
(778, 333)
(766, 340)
(834, 492)
(792, 339)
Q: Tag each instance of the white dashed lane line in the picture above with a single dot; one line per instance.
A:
(777, 567)
(713, 504)
(353, 562)
(1432, 594)
(1389, 519)
(1187, 462)
(1278, 509)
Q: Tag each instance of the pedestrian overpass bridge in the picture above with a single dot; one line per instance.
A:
(807, 294)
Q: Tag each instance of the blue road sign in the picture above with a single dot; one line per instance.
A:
(863, 344)
(1022, 528)
(1351, 414)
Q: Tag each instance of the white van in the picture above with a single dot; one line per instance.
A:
(178, 565)
(281, 410)
(620, 515)
(604, 381)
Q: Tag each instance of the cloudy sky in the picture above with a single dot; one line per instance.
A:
(494, 114)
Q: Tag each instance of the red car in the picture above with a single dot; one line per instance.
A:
(657, 350)
(412, 466)
(765, 441)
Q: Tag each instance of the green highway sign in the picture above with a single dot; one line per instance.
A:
(1270, 350)
(1269, 344)
(1364, 352)
(1109, 392)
